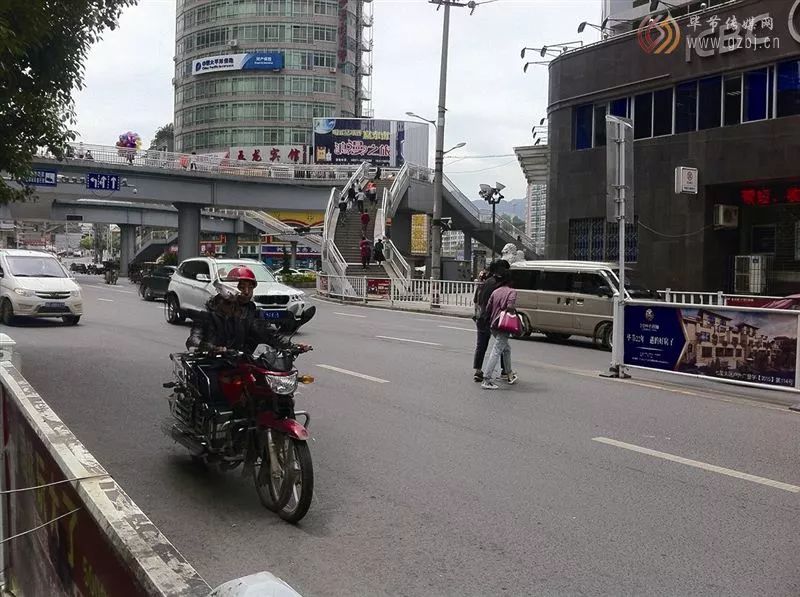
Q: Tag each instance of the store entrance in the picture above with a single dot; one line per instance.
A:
(753, 244)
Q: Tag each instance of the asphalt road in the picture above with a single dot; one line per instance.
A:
(565, 484)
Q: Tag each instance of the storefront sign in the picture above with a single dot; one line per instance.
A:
(270, 154)
(352, 141)
(724, 343)
(250, 61)
(685, 180)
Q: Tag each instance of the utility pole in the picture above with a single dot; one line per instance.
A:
(436, 224)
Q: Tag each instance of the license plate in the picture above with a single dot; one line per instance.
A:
(271, 314)
(55, 305)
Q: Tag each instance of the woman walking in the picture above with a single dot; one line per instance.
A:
(377, 252)
(366, 251)
(502, 301)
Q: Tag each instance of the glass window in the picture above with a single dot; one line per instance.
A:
(709, 103)
(555, 281)
(600, 125)
(755, 95)
(788, 91)
(686, 107)
(582, 124)
(732, 103)
(643, 116)
(620, 107)
(524, 279)
(662, 112)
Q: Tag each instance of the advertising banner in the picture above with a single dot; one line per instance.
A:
(249, 61)
(271, 154)
(749, 346)
(419, 234)
(379, 286)
(70, 556)
(388, 143)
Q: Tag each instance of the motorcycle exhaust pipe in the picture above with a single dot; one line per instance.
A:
(183, 438)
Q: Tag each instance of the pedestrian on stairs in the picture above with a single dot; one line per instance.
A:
(360, 198)
(366, 251)
(372, 193)
(351, 195)
(377, 251)
(342, 208)
(364, 222)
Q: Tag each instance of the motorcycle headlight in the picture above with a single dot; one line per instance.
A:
(283, 384)
(24, 292)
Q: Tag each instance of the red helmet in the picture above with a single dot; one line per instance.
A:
(241, 273)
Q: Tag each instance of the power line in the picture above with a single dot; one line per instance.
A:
(484, 169)
(646, 227)
(480, 157)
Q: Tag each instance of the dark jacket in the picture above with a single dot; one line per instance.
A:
(482, 296)
(239, 332)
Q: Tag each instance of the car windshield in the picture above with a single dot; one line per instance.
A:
(35, 267)
(634, 287)
(260, 270)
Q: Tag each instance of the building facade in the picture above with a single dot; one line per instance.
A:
(252, 73)
(536, 215)
(724, 99)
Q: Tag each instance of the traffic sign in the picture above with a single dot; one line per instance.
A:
(102, 182)
(43, 178)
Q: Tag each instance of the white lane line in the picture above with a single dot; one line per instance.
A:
(450, 327)
(99, 287)
(106, 300)
(354, 373)
(407, 340)
(697, 464)
(350, 315)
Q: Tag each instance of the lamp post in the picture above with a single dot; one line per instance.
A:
(492, 196)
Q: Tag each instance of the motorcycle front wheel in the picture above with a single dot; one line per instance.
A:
(286, 486)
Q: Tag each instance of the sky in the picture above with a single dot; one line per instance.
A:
(491, 104)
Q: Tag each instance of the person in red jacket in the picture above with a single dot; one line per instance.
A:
(366, 251)
(364, 222)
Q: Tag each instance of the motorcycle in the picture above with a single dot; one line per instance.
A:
(111, 276)
(232, 409)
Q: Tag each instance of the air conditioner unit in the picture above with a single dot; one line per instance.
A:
(233, 42)
(333, 71)
(750, 273)
(726, 216)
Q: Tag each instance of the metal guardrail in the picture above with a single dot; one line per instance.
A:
(214, 163)
(712, 299)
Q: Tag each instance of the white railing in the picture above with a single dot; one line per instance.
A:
(394, 260)
(437, 293)
(269, 221)
(153, 235)
(714, 299)
(512, 230)
(396, 191)
(350, 288)
(216, 163)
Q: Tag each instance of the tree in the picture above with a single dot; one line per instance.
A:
(43, 47)
(87, 242)
(164, 137)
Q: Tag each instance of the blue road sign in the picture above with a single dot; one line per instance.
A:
(43, 178)
(102, 182)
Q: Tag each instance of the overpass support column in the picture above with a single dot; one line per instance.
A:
(188, 230)
(293, 254)
(127, 247)
(231, 246)
(467, 247)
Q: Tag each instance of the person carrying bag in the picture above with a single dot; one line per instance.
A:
(504, 323)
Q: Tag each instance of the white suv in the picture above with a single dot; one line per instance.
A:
(35, 284)
(192, 285)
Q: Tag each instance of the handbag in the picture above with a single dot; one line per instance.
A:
(508, 323)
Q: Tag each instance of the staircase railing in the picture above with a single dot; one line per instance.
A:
(395, 262)
(527, 241)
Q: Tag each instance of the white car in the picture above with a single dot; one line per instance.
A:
(35, 284)
(192, 285)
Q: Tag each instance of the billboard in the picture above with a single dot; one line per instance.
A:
(419, 234)
(388, 143)
(249, 61)
(740, 345)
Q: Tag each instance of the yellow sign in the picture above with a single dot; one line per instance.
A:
(419, 234)
(300, 218)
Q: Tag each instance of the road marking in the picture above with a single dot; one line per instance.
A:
(697, 464)
(407, 340)
(354, 373)
(450, 327)
(106, 300)
(350, 315)
(106, 287)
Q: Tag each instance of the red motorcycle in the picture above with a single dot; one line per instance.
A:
(232, 409)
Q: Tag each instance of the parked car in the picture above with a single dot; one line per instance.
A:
(35, 284)
(281, 273)
(155, 283)
(570, 298)
(193, 284)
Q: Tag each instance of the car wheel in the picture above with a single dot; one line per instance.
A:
(172, 310)
(147, 292)
(7, 312)
(604, 335)
(71, 319)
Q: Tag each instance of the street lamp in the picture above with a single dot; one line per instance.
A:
(492, 196)
(459, 146)
(421, 118)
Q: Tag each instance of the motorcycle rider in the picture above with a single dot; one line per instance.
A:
(230, 321)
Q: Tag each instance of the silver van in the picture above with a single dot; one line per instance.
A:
(570, 298)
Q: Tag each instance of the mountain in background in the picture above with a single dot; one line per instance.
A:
(511, 207)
